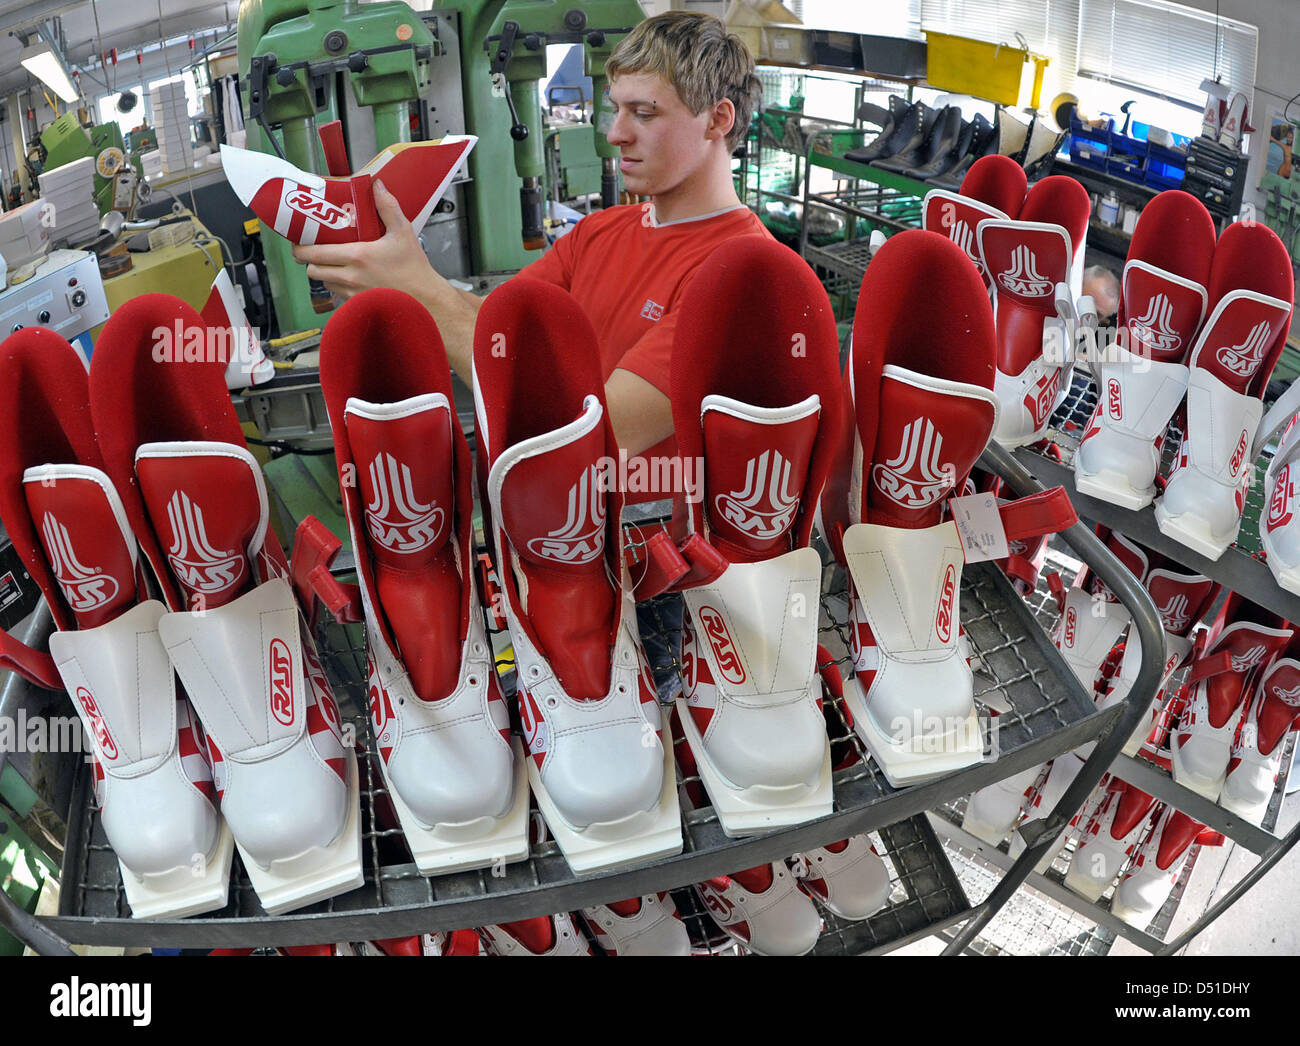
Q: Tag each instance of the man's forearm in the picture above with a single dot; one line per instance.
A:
(455, 312)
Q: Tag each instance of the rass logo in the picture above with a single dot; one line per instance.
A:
(1071, 619)
(1154, 328)
(1243, 444)
(764, 507)
(1023, 277)
(280, 679)
(97, 725)
(1175, 613)
(724, 650)
(316, 208)
(1114, 399)
(582, 536)
(1245, 662)
(1042, 396)
(1289, 696)
(197, 564)
(943, 620)
(1279, 502)
(83, 587)
(1243, 359)
(914, 478)
(395, 517)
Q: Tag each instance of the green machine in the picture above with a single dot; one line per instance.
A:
(295, 57)
(66, 140)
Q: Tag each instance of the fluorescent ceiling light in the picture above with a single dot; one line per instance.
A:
(45, 63)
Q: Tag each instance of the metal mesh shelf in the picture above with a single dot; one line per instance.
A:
(1020, 673)
(1240, 568)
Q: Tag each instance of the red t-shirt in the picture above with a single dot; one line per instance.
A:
(629, 273)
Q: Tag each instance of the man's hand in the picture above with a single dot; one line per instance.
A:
(394, 260)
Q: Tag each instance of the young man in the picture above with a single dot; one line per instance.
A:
(682, 91)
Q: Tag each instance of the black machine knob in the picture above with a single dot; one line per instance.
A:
(575, 19)
(284, 77)
(78, 299)
(43, 315)
(519, 131)
(18, 326)
(357, 61)
(335, 41)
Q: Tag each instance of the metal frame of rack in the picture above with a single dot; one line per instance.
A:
(1044, 713)
(1241, 568)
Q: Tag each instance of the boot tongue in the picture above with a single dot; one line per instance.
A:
(1281, 703)
(403, 454)
(208, 508)
(1251, 648)
(1161, 313)
(553, 497)
(1179, 599)
(83, 530)
(1133, 805)
(757, 466)
(1239, 338)
(537, 934)
(1179, 832)
(929, 434)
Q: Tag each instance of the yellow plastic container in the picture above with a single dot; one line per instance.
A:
(975, 67)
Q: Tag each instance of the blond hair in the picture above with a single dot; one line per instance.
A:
(703, 62)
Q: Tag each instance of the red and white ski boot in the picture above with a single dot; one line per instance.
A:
(646, 925)
(1155, 866)
(197, 503)
(544, 935)
(1252, 288)
(307, 208)
(756, 398)
(763, 909)
(153, 783)
(994, 187)
(1142, 379)
(919, 381)
(440, 721)
(848, 878)
(602, 775)
(1279, 531)
(1255, 763)
(1243, 644)
(1109, 839)
(1035, 261)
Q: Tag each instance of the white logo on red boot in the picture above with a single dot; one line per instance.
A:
(396, 518)
(1023, 277)
(1245, 662)
(965, 239)
(915, 478)
(1290, 696)
(83, 587)
(1175, 613)
(1154, 327)
(582, 537)
(1243, 359)
(764, 507)
(197, 564)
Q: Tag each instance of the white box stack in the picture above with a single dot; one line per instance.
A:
(171, 118)
(151, 163)
(70, 192)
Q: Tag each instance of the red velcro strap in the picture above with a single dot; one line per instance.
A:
(1057, 587)
(314, 549)
(1210, 665)
(706, 563)
(655, 565)
(1046, 512)
(32, 665)
(341, 599)
(336, 154)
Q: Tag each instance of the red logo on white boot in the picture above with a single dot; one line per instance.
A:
(1154, 328)
(915, 478)
(1042, 396)
(1023, 277)
(85, 588)
(1243, 359)
(1243, 443)
(1070, 621)
(1279, 505)
(197, 564)
(582, 536)
(724, 650)
(396, 518)
(105, 739)
(943, 620)
(764, 507)
(1114, 399)
(280, 670)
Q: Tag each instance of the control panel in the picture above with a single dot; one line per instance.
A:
(65, 294)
